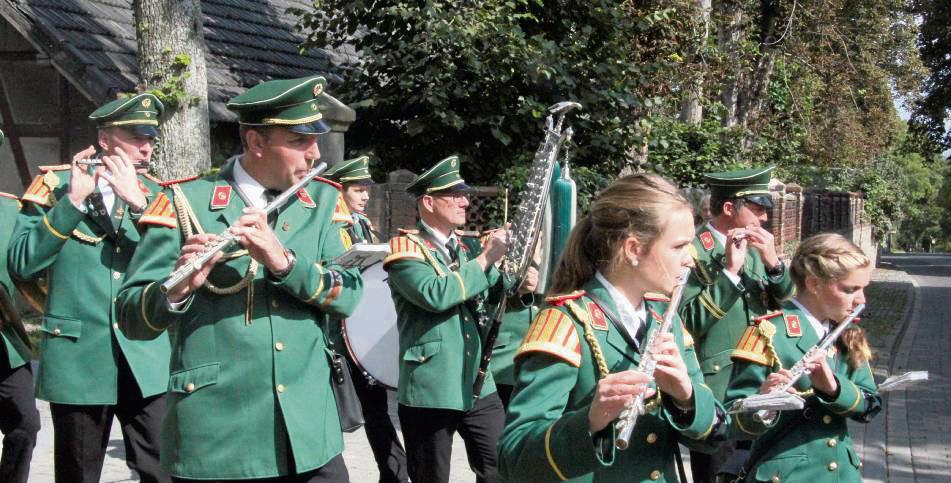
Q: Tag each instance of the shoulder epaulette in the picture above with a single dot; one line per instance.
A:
(468, 233)
(341, 212)
(56, 167)
(401, 248)
(656, 297)
(8, 195)
(757, 320)
(554, 333)
(151, 178)
(160, 212)
(39, 192)
(756, 344)
(557, 300)
(331, 183)
(407, 231)
(166, 184)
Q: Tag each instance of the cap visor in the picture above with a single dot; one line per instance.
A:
(316, 127)
(144, 130)
(456, 188)
(762, 200)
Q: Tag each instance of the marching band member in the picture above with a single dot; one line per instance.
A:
(250, 392)
(77, 229)
(739, 276)
(575, 371)
(19, 419)
(354, 176)
(812, 444)
(441, 286)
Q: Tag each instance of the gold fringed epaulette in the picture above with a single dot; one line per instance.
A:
(341, 212)
(468, 233)
(756, 345)
(152, 178)
(166, 184)
(761, 318)
(8, 195)
(407, 231)
(55, 167)
(557, 300)
(656, 297)
(335, 184)
(40, 192)
(553, 332)
(401, 248)
(160, 212)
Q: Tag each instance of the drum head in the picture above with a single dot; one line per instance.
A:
(371, 333)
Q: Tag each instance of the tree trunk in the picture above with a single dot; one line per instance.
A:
(172, 59)
(729, 34)
(692, 112)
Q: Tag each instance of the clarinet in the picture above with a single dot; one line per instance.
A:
(799, 369)
(227, 238)
(628, 418)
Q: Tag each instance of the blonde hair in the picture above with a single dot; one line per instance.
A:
(638, 205)
(830, 257)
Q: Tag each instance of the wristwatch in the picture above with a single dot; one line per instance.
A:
(777, 270)
(291, 260)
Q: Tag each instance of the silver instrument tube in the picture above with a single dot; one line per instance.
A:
(628, 418)
(799, 369)
(227, 238)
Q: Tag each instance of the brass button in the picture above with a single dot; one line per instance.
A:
(832, 443)
(652, 438)
(716, 367)
(279, 346)
(274, 303)
(190, 387)
(116, 275)
(422, 359)
(118, 249)
(827, 419)
(655, 475)
(833, 466)
(775, 479)
(115, 326)
(280, 388)
(56, 331)
(115, 300)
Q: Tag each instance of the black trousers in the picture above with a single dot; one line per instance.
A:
(428, 434)
(19, 421)
(335, 471)
(384, 442)
(81, 434)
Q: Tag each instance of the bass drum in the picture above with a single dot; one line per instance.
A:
(371, 334)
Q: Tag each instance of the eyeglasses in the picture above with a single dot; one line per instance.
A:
(454, 197)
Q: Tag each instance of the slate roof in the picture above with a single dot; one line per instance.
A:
(93, 43)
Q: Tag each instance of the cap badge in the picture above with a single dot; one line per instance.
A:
(313, 107)
(146, 103)
(318, 89)
(452, 163)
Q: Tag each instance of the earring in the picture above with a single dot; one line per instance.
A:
(635, 262)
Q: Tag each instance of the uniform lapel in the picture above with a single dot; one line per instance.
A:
(292, 214)
(617, 336)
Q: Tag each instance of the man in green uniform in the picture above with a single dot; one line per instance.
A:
(250, 393)
(77, 230)
(519, 313)
(19, 419)
(739, 277)
(440, 286)
(354, 177)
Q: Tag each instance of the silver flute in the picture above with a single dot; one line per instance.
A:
(799, 369)
(628, 418)
(225, 239)
(99, 162)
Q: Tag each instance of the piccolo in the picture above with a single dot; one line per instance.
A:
(799, 369)
(99, 162)
(225, 239)
(628, 418)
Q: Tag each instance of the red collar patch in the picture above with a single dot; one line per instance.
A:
(221, 197)
(305, 198)
(793, 327)
(706, 238)
(597, 317)
(656, 316)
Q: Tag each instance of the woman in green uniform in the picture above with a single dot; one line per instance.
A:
(576, 369)
(812, 444)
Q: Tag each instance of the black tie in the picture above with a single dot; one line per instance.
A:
(269, 196)
(452, 246)
(639, 336)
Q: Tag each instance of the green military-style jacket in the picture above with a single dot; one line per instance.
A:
(250, 390)
(84, 258)
(358, 230)
(546, 434)
(716, 311)
(819, 448)
(17, 350)
(438, 312)
(518, 317)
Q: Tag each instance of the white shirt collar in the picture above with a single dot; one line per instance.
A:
(717, 235)
(631, 317)
(108, 194)
(440, 239)
(249, 186)
(821, 328)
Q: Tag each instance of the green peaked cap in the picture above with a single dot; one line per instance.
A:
(443, 177)
(140, 113)
(749, 184)
(350, 171)
(290, 103)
